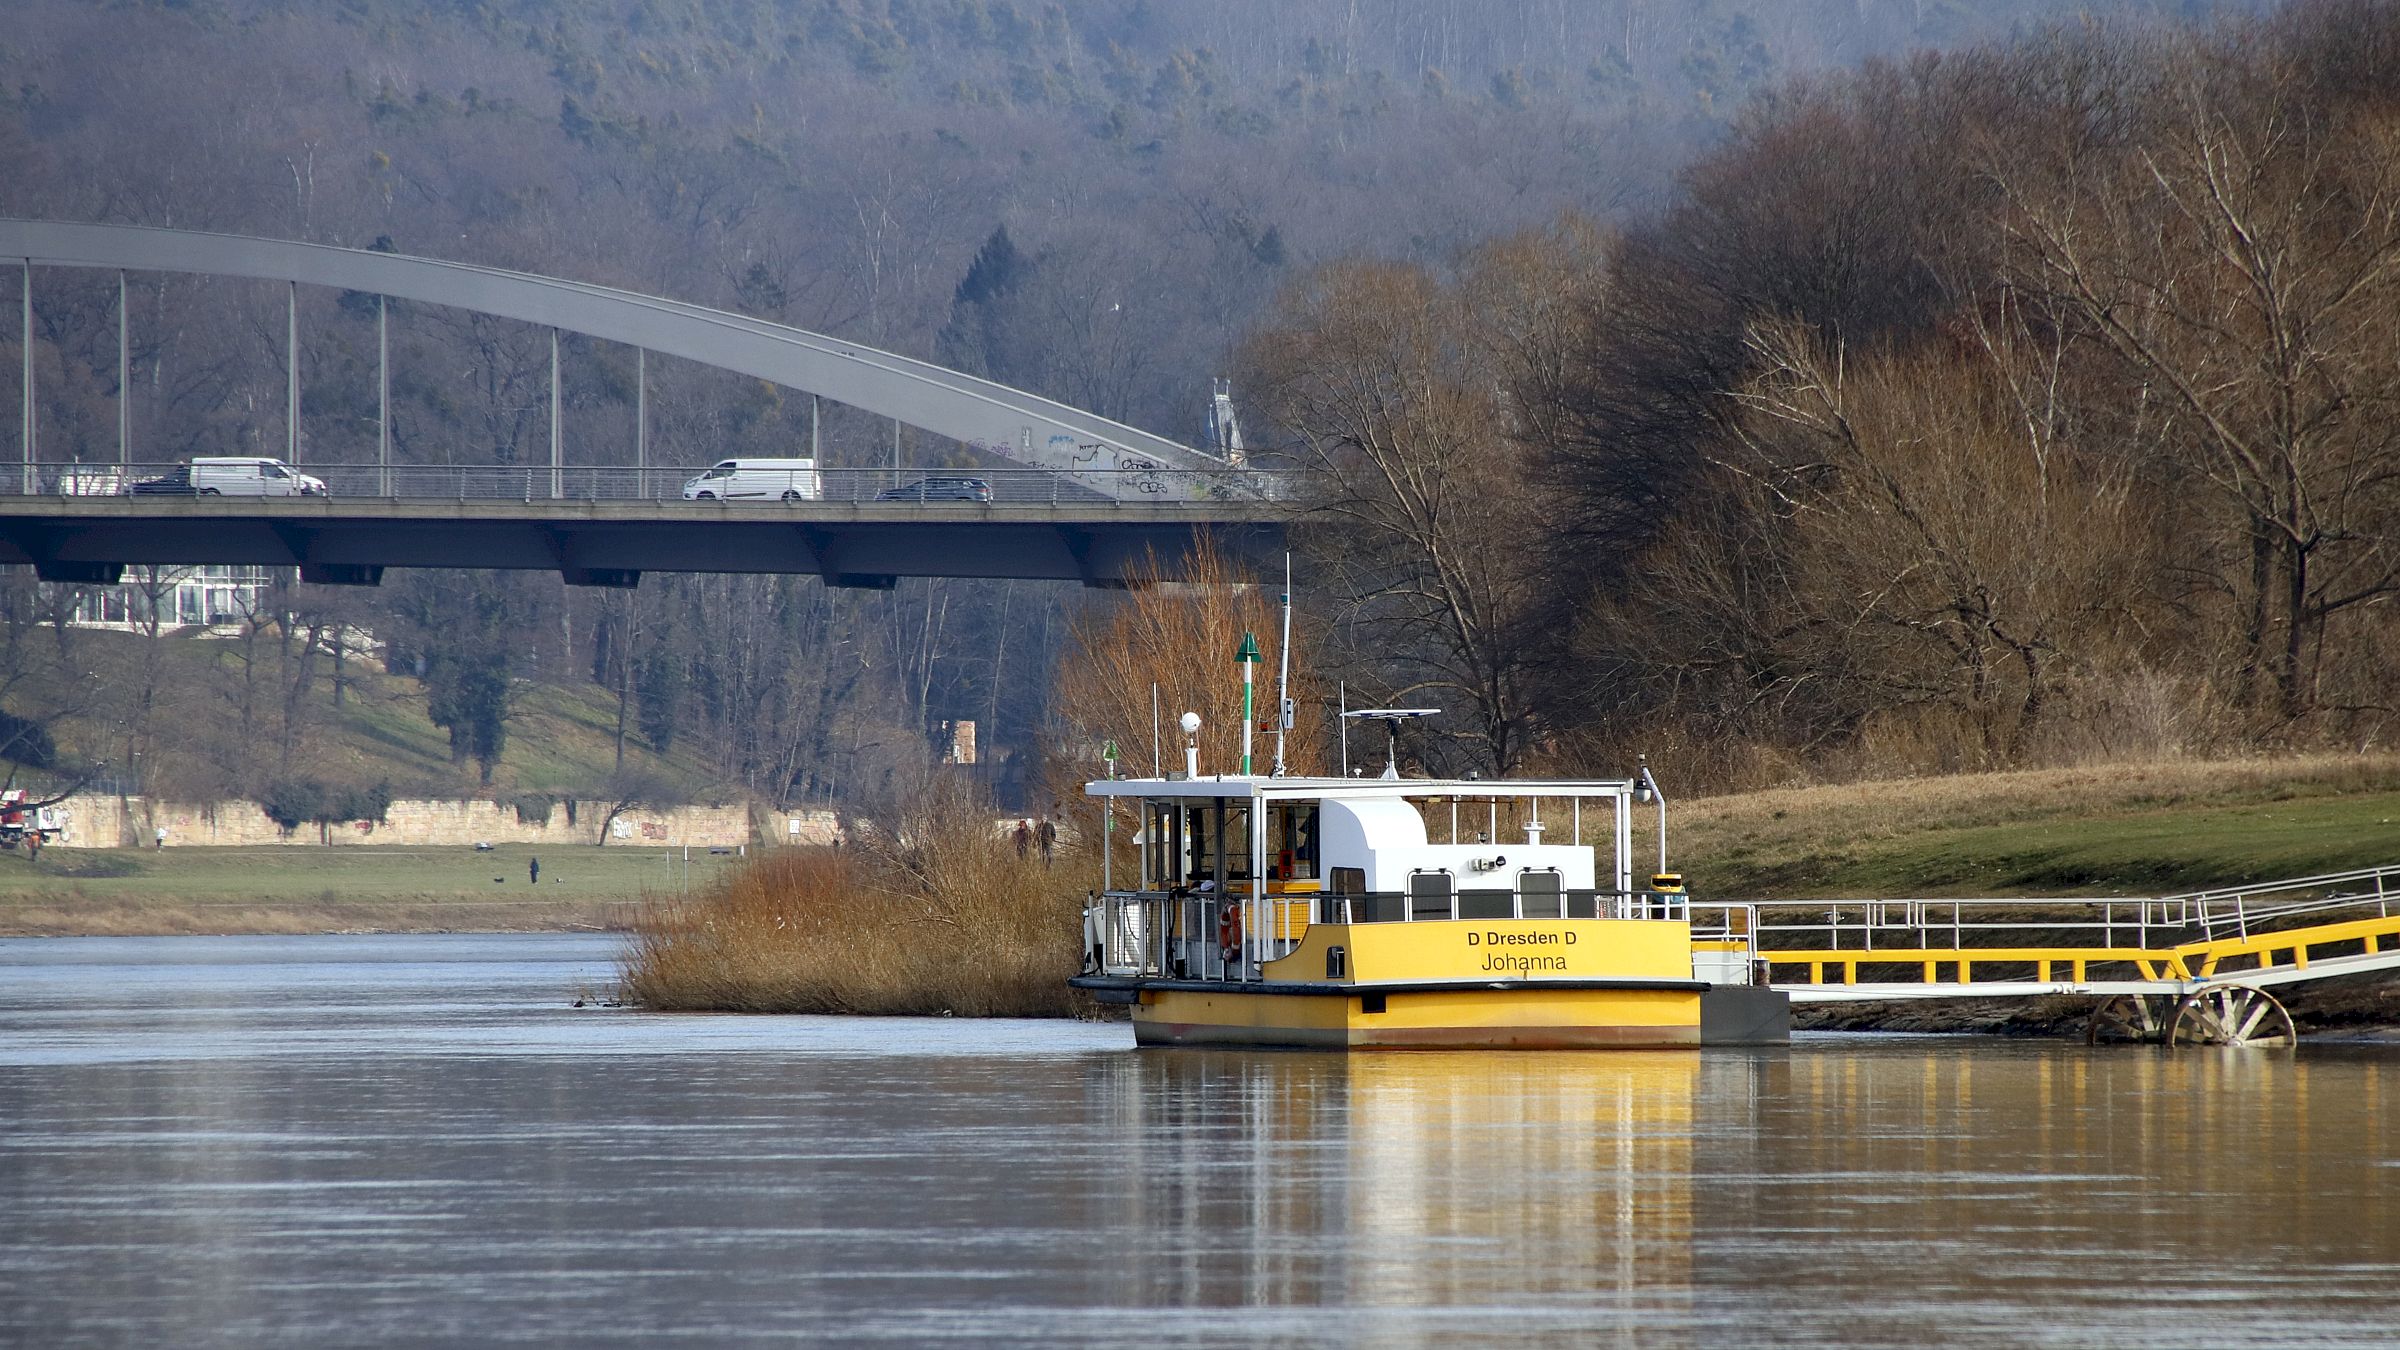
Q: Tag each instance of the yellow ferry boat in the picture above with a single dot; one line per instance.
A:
(1319, 912)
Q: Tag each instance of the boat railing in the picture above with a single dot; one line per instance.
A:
(1129, 937)
(1177, 934)
(1468, 903)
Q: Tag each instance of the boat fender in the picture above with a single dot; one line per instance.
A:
(1229, 929)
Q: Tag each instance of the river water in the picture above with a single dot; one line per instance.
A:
(421, 1140)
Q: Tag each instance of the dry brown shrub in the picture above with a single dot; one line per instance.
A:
(934, 914)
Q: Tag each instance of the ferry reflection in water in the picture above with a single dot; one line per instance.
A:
(1873, 1191)
(1497, 1186)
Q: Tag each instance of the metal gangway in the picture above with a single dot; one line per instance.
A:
(2189, 969)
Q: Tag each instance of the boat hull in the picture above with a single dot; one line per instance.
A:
(1500, 984)
(1516, 1018)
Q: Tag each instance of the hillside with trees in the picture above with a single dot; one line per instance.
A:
(2016, 406)
(1616, 246)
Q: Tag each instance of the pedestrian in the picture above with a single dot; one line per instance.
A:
(162, 836)
(533, 870)
(1048, 835)
(1024, 837)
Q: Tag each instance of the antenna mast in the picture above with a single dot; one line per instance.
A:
(1283, 677)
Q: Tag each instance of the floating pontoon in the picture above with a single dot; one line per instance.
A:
(2189, 969)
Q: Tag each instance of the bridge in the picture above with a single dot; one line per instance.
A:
(1083, 498)
(1040, 525)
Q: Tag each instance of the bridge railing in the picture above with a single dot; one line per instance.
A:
(541, 482)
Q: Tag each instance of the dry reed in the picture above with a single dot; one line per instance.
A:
(939, 918)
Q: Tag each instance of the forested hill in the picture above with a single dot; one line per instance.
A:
(837, 163)
(1096, 201)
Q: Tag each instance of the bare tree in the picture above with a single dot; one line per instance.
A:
(1398, 390)
(2244, 267)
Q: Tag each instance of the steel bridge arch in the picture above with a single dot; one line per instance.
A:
(991, 417)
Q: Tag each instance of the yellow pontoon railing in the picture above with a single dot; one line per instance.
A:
(2276, 933)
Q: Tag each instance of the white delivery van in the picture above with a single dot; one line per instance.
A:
(246, 476)
(756, 480)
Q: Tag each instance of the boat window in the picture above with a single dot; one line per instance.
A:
(1292, 841)
(1487, 904)
(1200, 841)
(1349, 881)
(1429, 893)
(1160, 845)
(1540, 892)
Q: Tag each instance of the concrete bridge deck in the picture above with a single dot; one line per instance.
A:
(606, 542)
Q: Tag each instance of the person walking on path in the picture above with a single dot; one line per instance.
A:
(533, 870)
(1048, 836)
(1024, 838)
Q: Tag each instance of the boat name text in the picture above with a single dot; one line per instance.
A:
(1493, 937)
(1512, 964)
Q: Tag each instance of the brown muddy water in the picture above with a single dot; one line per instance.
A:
(419, 1141)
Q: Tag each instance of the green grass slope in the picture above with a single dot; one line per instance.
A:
(2115, 830)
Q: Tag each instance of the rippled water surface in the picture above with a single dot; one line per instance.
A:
(420, 1140)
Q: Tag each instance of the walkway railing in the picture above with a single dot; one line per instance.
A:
(2237, 909)
(2272, 932)
(533, 483)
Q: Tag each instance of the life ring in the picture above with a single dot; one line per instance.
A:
(1229, 927)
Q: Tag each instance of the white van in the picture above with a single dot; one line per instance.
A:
(756, 480)
(246, 476)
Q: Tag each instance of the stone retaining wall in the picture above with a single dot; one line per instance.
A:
(130, 822)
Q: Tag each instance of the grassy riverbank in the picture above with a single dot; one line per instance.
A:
(351, 889)
(2112, 830)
